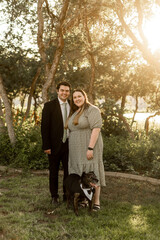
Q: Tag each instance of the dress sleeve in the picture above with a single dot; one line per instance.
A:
(94, 117)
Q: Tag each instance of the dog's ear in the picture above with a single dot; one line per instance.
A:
(83, 174)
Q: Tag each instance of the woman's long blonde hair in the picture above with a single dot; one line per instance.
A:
(74, 108)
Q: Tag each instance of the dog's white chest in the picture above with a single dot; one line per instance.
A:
(87, 194)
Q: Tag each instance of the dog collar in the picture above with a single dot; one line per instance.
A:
(86, 193)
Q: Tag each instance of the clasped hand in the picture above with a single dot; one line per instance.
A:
(48, 151)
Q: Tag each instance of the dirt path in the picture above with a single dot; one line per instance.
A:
(154, 181)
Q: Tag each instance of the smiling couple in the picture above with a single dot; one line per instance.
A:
(71, 134)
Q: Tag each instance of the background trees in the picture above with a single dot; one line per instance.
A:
(97, 45)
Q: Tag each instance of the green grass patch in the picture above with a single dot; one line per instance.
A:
(130, 210)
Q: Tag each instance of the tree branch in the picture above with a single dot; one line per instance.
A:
(135, 111)
(140, 22)
(40, 42)
(89, 47)
(147, 121)
(148, 56)
(58, 52)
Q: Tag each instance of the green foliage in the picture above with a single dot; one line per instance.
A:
(6, 150)
(27, 153)
(140, 156)
(28, 149)
(155, 140)
(17, 71)
(112, 125)
(121, 153)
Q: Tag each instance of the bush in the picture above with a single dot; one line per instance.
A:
(6, 150)
(27, 153)
(28, 149)
(121, 153)
(116, 154)
(112, 125)
(135, 156)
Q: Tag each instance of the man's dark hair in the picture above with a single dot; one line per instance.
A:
(64, 83)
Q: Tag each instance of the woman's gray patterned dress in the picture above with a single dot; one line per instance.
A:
(79, 138)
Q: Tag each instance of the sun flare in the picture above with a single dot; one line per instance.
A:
(152, 32)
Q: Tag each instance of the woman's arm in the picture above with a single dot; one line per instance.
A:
(92, 142)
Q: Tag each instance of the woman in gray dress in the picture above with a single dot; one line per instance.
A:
(85, 140)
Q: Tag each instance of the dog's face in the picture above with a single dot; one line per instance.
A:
(88, 178)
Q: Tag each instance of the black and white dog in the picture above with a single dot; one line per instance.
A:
(79, 187)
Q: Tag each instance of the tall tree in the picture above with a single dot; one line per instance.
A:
(50, 68)
(8, 113)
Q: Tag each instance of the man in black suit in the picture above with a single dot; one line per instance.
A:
(54, 137)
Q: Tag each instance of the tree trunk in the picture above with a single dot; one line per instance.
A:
(50, 73)
(89, 47)
(135, 111)
(121, 117)
(123, 102)
(53, 88)
(1, 118)
(8, 114)
(32, 92)
(22, 101)
(147, 122)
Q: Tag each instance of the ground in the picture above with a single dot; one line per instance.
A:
(129, 210)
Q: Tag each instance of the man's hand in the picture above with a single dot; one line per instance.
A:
(48, 151)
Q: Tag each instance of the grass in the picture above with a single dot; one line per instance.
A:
(130, 210)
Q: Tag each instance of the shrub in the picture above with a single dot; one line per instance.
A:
(112, 125)
(28, 149)
(116, 154)
(6, 150)
(128, 155)
(27, 153)
(121, 153)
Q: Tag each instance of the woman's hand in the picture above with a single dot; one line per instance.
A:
(90, 154)
(94, 185)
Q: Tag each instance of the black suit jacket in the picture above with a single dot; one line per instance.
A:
(52, 126)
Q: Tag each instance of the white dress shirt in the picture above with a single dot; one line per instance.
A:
(62, 110)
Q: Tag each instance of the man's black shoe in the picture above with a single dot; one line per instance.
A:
(55, 201)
